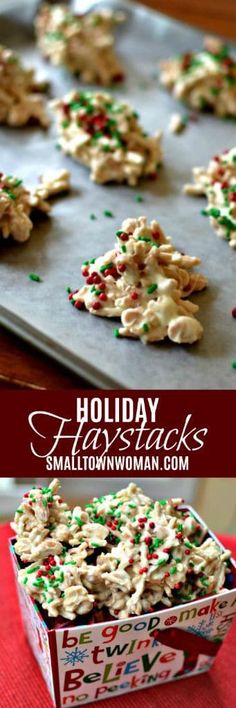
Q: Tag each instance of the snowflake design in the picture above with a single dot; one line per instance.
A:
(204, 627)
(76, 656)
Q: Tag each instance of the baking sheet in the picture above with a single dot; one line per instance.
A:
(40, 312)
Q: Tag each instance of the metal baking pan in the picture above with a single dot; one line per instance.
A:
(40, 312)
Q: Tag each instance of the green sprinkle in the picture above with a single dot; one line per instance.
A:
(106, 266)
(79, 521)
(139, 198)
(157, 542)
(162, 502)
(204, 582)
(10, 194)
(17, 182)
(39, 581)
(145, 327)
(65, 123)
(33, 570)
(214, 212)
(19, 511)
(25, 580)
(75, 105)
(137, 537)
(119, 232)
(70, 563)
(173, 570)
(233, 364)
(123, 249)
(36, 278)
(160, 562)
(188, 544)
(132, 505)
(147, 239)
(12, 60)
(151, 289)
(55, 35)
(92, 217)
(108, 213)
(106, 148)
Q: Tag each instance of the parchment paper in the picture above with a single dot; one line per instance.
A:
(40, 312)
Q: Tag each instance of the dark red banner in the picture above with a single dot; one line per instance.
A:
(125, 434)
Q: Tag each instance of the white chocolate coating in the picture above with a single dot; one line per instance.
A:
(142, 553)
(144, 280)
(17, 202)
(105, 136)
(20, 100)
(177, 123)
(84, 44)
(217, 182)
(203, 80)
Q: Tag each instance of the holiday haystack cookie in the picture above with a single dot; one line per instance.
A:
(105, 135)
(204, 80)
(17, 202)
(218, 182)
(82, 43)
(21, 101)
(124, 553)
(144, 281)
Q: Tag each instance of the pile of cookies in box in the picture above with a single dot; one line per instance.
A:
(123, 553)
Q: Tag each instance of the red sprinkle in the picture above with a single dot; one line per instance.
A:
(130, 561)
(124, 237)
(142, 519)
(178, 535)
(121, 267)
(178, 586)
(78, 304)
(118, 77)
(234, 312)
(89, 280)
(152, 175)
(110, 271)
(103, 297)
(149, 556)
(155, 555)
(148, 540)
(166, 574)
(143, 570)
(134, 296)
(85, 272)
(96, 305)
(187, 552)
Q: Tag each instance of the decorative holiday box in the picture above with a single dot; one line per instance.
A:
(84, 663)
